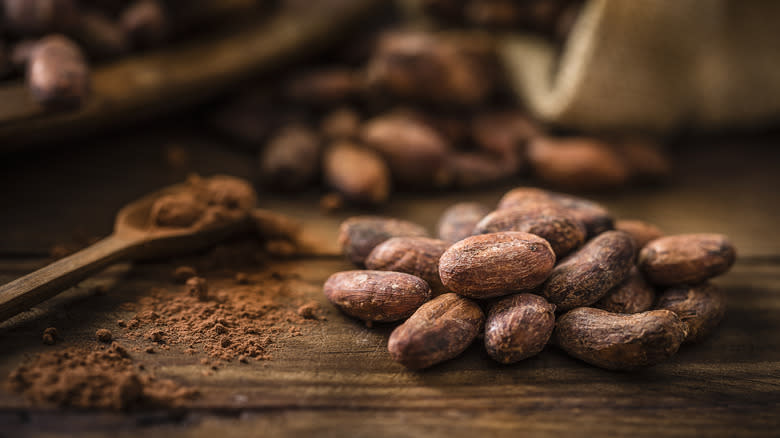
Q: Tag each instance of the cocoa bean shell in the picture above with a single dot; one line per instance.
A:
(491, 265)
(618, 341)
(376, 295)
(642, 232)
(439, 330)
(518, 327)
(686, 258)
(701, 307)
(588, 274)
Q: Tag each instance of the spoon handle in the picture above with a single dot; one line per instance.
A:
(34, 288)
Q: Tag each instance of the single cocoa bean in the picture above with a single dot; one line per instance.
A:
(702, 307)
(57, 73)
(633, 295)
(359, 235)
(641, 231)
(577, 163)
(358, 174)
(478, 169)
(430, 68)
(417, 256)
(376, 295)
(415, 152)
(439, 330)
(458, 221)
(617, 341)
(564, 232)
(496, 264)
(518, 327)
(506, 134)
(595, 217)
(588, 274)
(686, 258)
(291, 159)
(645, 159)
(340, 124)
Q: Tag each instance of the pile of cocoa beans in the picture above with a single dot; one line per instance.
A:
(413, 110)
(542, 268)
(52, 42)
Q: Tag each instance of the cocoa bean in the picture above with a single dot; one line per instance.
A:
(376, 295)
(518, 327)
(595, 217)
(359, 235)
(458, 221)
(291, 158)
(358, 174)
(633, 295)
(439, 330)
(417, 256)
(619, 342)
(560, 228)
(686, 258)
(57, 73)
(589, 273)
(641, 231)
(701, 307)
(577, 163)
(491, 265)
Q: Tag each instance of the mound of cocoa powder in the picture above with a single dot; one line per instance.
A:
(104, 377)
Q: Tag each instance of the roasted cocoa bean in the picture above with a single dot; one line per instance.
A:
(619, 342)
(506, 134)
(323, 86)
(645, 159)
(478, 169)
(57, 73)
(560, 228)
(439, 330)
(686, 258)
(701, 307)
(415, 152)
(340, 124)
(358, 174)
(291, 158)
(417, 256)
(359, 235)
(429, 68)
(496, 264)
(577, 163)
(595, 217)
(588, 274)
(376, 295)
(641, 231)
(458, 221)
(633, 295)
(518, 327)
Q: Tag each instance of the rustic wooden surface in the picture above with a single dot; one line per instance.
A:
(338, 380)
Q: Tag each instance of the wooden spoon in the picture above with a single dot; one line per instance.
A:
(134, 237)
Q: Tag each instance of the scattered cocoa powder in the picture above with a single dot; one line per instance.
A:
(50, 336)
(104, 335)
(105, 378)
(233, 321)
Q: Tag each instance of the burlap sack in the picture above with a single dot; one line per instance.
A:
(655, 65)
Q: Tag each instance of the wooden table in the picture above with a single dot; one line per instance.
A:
(338, 379)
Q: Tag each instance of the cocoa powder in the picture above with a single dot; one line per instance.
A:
(99, 377)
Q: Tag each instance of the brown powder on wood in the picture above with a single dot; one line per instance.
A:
(105, 378)
(232, 322)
